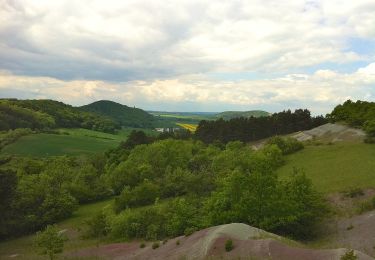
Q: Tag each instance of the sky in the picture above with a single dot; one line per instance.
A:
(189, 55)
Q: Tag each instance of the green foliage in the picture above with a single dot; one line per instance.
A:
(143, 194)
(42, 192)
(97, 225)
(41, 114)
(121, 114)
(229, 245)
(13, 135)
(142, 245)
(259, 199)
(349, 255)
(252, 129)
(286, 145)
(50, 242)
(227, 115)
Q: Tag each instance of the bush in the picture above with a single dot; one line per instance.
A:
(141, 195)
(155, 245)
(349, 255)
(97, 225)
(190, 230)
(142, 245)
(50, 241)
(229, 245)
(287, 145)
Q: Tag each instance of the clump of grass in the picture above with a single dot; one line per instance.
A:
(178, 242)
(155, 245)
(190, 230)
(349, 255)
(229, 245)
(367, 205)
(142, 245)
(350, 227)
(354, 192)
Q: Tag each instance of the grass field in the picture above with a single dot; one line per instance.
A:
(190, 127)
(23, 246)
(77, 142)
(336, 167)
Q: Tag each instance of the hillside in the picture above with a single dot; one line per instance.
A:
(235, 114)
(43, 113)
(121, 114)
(248, 243)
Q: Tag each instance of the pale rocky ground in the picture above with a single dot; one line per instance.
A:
(249, 243)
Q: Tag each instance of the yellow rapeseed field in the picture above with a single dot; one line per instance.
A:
(189, 127)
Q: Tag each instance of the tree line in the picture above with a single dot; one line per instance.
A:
(252, 129)
(359, 114)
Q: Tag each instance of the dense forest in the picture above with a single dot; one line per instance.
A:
(251, 129)
(357, 114)
(45, 114)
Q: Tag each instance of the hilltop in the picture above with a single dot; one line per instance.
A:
(226, 115)
(121, 114)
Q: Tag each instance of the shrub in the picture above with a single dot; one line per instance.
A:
(349, 255)
(229, 245)
(142, 245)
(190, 230)
(354, 192)
(155, 245)
(287, 145)
(178, 242)
(50, 241)
(367, 205)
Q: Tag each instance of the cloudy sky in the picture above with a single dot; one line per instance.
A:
(179, 55)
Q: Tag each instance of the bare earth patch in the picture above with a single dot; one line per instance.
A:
(209, 243)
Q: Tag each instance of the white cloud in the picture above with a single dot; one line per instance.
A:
(144, 39)
(155, 53)
(319, 91)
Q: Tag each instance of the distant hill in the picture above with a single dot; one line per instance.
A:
(121, 114)
(235, 114)
(44, 113)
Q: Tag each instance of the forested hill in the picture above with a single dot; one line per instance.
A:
(42, 114)
(121, 114)
(236, 114)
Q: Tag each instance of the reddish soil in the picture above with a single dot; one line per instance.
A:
(210, 244)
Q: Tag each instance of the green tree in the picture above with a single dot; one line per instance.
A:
(50, 242)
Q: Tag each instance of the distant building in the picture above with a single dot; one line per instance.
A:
(167, 129)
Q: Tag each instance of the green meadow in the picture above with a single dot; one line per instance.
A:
(334, 168)
(69, 142)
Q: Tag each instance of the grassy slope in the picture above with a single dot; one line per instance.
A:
(79, 141)
(336, 167)
(23, 246)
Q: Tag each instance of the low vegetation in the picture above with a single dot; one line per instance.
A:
(334, 168)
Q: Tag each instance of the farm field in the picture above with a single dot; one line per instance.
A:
(190, 127)
(334, 168)
(70, 142)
